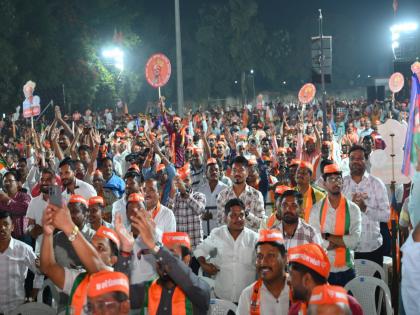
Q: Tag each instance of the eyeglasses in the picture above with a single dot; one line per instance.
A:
(102, 306)
(335, 179)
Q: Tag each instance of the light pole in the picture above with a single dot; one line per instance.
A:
(253, 85)
(179, 82)
(321, 64)
(114, 56)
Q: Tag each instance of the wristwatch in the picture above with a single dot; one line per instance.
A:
(73, 234)
(158, 246)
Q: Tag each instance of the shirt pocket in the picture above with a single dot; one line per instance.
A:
(247, 257)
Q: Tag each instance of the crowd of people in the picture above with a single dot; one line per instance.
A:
(133, 214)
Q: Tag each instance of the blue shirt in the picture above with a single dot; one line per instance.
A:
(116, 184)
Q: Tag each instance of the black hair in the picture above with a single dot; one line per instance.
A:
(185, 251)
(114, 248)
(132, 174)
(81, 205)
(13, 172)
(22, 159)
(240, 160)
(84, 147)
(357, 147)
(265, 139)
(233, 202)
(325, 163)
(47, 170)
(280, 247)
(293, 193)
(5, 214)
(318, 279)
(67, 161)
(120, 296)
(106, 158)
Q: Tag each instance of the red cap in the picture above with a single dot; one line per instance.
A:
(135, 197)
(295, 162)
(160, 167)
(176, 238)
(328, 295)
(108, 233)
(280, 189)
(96, 200)
(309, 139)
(331, 169)
(211, 161)
(183, 173)
(104, 282)
(77, 199)
(306, 165)
(312, 256)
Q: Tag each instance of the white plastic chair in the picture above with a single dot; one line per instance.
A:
(221, 307)
(34, 308)
(367, 268)
(54, 293)
(364, 288)
(210, 281)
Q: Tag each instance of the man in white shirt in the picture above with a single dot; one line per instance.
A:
(233, 249)
(211, 189)
(37, 206)
(339, 222)
(72, 185)
(143, 262)
(132, 185)
(370, 194)
(270, 294)
(16, 258)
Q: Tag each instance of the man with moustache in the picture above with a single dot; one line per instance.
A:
(252, 198)
(270, 294)
(338, 220)
(287, 220)
(234, 263)
(95, 211)
(72, 185)
(369, 193)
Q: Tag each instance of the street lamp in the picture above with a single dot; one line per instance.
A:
(252, 71)
(116, 55)
(253, 84)
(401, 29)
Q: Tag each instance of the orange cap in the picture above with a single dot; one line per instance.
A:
(77, 199)
(135, 167)
(295, 162)
(96, 200)
(135, 197)
(252, 161)
(312, 256)
(120, 134)
(106, 282)
(309, 139)
(306, 165)
(108, 233)
(328, 295)
(272, 236)
(332, 168)
(160, 167)
(98, 173)
(281, 150)
(326, 142)
(266, 158)
(176, 238)
(197, 150)
(211, 161)
(183, 173)
(280, 189)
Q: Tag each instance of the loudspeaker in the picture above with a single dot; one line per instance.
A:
(404, 67)
(380, 93)
(316, 58)
(371, 93)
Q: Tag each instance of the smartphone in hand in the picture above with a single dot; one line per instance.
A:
(54, 193)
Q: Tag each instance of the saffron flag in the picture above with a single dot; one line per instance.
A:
(412, 137)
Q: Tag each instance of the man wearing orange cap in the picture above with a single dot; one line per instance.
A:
(95, 210)
(108, 293)
(231, 251)
(312, 147)
(309, 267)
(339, 222)
(177, 290)
(197, 168)
(270, 294)
(288, 221)
(328, 299)
(311, 195)
(211, 189)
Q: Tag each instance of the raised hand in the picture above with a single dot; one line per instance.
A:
(126, 238)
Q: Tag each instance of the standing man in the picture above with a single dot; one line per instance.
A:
(370, 194)
(288, 221)
(310, 194)
(232, 247)
(270, 294)
(252, 198)
(339, 222)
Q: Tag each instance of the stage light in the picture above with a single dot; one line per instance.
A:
(116, 55)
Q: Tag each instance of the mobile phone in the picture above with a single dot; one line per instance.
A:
(54, 193)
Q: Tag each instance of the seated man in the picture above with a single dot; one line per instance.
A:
(95, 210)
(16, 258)
(327, 299)
(177, 290)
(108, 294)
(232, 247)
(270, 294)
(309, 267)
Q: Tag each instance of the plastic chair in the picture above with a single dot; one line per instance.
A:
(364, 288)
(48, 284)
(221, 307)
(367, 268)
(34, 308)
